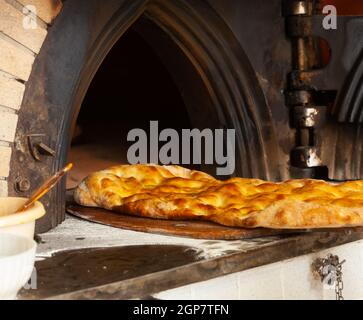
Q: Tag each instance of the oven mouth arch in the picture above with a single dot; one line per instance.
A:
(199, 32)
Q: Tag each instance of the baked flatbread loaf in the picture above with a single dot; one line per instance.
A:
(173, 192)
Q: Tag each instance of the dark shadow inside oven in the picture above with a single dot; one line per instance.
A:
(131, 88)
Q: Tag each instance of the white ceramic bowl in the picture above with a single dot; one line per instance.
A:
(17, 255)
(21, 223)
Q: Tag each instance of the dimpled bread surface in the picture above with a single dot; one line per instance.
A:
(174, 192)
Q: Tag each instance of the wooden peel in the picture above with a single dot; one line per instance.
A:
(45, 187)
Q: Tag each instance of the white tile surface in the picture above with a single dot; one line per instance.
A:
(261, 283)
(182, 293)
(289, 279)
(223, 288)
(298, 281)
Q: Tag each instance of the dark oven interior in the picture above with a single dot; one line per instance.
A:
(131, 78)
(267, 69)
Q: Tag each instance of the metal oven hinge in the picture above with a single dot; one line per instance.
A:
(306, 116)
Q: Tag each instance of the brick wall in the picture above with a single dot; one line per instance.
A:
(23, 29)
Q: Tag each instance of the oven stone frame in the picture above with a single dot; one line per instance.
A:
(58, 80)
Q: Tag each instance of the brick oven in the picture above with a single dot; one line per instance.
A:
(290, 88)
(77, 75)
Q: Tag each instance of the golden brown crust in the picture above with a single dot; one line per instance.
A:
(173, 192)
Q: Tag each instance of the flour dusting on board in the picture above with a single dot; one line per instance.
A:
(75, 233)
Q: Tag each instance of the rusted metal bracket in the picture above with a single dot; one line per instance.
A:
(345, 69)
(339, 79)
(306, 115)
(344, 42)
(38, 148)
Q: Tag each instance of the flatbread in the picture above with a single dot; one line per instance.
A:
(173, 192)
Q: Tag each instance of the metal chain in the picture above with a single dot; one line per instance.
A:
(339, 285)
(330, 271)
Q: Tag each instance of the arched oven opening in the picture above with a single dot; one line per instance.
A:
(190, 71)
(131, 88)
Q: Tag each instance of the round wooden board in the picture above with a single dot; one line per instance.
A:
(192, 229)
